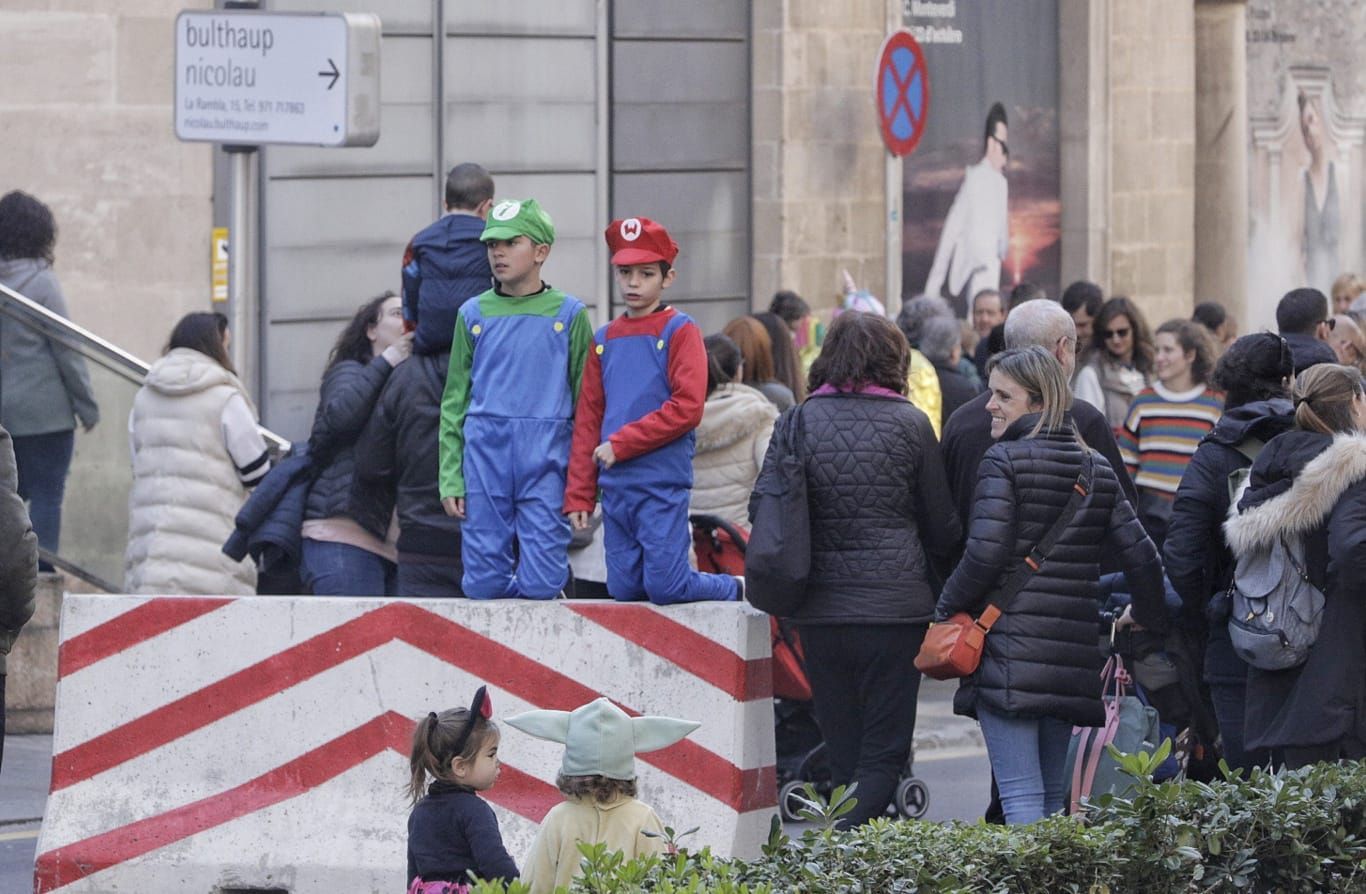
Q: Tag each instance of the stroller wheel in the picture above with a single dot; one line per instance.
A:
(789, 806)
(912, 798)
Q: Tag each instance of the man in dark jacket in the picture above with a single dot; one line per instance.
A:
(396, 462)
(1304, 322)
(18, 565)
(967, 434)
(446, 264)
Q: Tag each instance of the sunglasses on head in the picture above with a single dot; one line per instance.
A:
(1117, 333)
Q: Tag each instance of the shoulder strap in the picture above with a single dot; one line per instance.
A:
(1081, 490)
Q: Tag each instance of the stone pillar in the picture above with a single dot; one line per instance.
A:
(1221, 184)
(1084, 131)
(818, 201)
(1152, 155)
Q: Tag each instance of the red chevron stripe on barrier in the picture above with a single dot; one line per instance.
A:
(516, 791)
(499, 666)
(704, 658)
(130, 628)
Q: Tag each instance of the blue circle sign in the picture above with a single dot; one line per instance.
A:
(902, 89)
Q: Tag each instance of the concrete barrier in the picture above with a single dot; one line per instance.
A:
(261, 743)
(31, 681)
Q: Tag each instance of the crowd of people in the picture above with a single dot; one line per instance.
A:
(941, 455)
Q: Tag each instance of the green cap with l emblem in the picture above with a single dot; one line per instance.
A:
(519, 217)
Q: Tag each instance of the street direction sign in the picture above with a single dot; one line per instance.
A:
(901, 87)
(250, 78)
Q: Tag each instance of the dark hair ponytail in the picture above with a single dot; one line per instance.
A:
(354, 341)
(435, 738)
(723, 361)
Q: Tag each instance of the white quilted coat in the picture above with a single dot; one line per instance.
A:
(737, 423)
(185, 490)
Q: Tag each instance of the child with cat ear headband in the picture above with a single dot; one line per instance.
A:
(452, 832)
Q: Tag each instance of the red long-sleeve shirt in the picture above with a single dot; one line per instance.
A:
(680, 414)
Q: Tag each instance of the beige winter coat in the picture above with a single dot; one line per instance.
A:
(185, 490)
(737, 422)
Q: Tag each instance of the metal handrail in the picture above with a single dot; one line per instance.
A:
(30, 313)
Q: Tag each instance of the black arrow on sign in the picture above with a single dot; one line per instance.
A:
(333, 74)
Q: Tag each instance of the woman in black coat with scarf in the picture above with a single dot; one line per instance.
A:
(881, 519)
(1310, 483)
(1254, 374)
(1040, 669)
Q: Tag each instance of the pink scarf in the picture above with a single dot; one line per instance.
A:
(864, 388)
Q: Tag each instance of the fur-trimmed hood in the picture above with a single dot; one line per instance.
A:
(1307, 502)
(734, 412)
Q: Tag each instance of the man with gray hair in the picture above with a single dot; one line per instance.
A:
(941, 341)
(967, 434)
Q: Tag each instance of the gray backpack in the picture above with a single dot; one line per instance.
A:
(1275, 611)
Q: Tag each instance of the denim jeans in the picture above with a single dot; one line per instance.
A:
(1029, 757)
(340, 569)
(43, 461)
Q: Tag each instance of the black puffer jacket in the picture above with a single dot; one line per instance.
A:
(879, 501)
(396, 459)
(1312, 486)
(348, 395)
(1197, 559)
(1041, 658)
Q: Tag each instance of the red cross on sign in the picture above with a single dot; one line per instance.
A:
(902, 90)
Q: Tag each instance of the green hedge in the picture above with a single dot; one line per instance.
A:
(1302, 831)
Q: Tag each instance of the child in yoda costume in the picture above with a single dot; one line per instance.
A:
(598, 779)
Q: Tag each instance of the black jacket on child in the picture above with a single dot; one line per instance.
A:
(1041, 658)
(396, 460)
(879, 505)
(349, 392)
(1312, 486)
(452, 832)
(1196, 557)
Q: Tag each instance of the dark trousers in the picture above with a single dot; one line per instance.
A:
(43, 461)
(1349, 748)
(1230, 710)
(865, 685)
(438, 578)
(2, 720)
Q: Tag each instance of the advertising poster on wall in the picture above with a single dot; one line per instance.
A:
(1306, 79)
(981, 192)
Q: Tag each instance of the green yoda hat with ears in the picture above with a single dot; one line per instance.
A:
(600, 739)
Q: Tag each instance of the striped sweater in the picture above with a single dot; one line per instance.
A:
(1161, 432)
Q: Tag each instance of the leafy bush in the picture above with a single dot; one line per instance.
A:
(1302, 831)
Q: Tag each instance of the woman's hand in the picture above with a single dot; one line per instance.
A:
(400, 350)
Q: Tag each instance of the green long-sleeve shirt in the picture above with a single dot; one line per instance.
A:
(462, 374)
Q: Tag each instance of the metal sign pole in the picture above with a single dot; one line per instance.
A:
(245, 323)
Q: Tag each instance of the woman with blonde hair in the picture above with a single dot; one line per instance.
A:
(1040, 669)
(1308, 485)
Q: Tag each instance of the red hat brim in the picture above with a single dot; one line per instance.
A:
(629, 256)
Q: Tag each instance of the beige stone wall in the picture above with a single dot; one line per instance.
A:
(1152, 155)
(819, 202)
(85, 94)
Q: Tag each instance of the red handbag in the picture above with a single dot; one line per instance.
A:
(953, 648)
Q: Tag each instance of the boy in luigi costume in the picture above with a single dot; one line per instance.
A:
(507, 414)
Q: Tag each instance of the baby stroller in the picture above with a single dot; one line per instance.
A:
(801, 755)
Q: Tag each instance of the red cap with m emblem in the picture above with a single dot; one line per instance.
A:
(639, 240)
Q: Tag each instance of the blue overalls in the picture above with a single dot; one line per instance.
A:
(517, 433)
(646, 533)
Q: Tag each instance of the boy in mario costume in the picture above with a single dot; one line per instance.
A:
(507, 414)
(643, 389)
